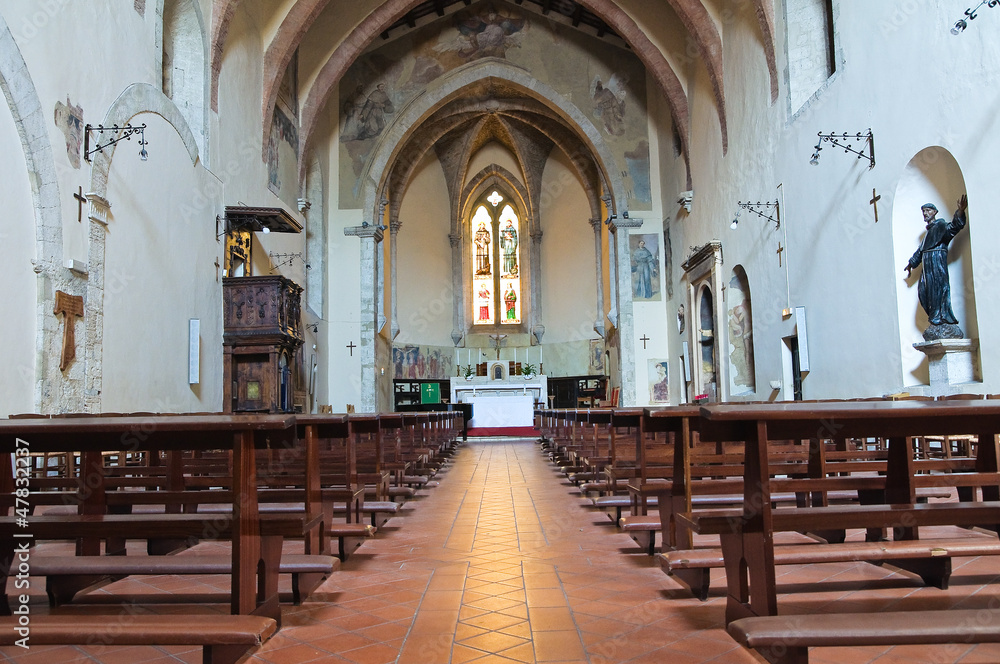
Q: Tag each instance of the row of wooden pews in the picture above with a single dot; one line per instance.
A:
(174, 481)
(833, 471)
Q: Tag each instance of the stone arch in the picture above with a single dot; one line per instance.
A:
(394, 136)
(739, 315)
(316, 248)
(933, 175)
(53, 390)
(390, 11)
(482, 181)
(222, 17)
(181, 41)
(135, 99)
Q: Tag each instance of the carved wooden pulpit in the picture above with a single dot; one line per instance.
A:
(262, 334)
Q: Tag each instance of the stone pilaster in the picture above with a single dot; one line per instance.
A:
(537, 329)
(598, 262)
(371, 237)
(458, 292)
(626, 320)
(394, 226)
(94, 304)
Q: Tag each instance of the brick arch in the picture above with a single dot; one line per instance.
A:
(222, 16)
(293, 28)
(53, 390)
(391, 10)
(765, 17)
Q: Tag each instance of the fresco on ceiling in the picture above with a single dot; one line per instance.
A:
(607, 83)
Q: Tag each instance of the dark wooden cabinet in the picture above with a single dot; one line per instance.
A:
(576, 391)
(407, 393)
(262, 335)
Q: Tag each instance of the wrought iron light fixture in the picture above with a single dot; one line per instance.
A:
(761, 210)
(118, 134)
(847, 142)
(970, 14)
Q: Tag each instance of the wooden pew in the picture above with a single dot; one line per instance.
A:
(787, 639)
(223, 639)
(747, 534)
(252, 555)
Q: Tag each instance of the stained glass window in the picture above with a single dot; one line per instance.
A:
(496, 264)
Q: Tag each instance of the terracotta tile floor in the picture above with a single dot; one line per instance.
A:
(505, 562)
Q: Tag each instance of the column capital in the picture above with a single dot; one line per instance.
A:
(364, 231)
(595, 224)
(536, 236)
(394, 226)
(624, 223)
(455, 240)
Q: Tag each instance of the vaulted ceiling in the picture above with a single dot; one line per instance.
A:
(659, 33)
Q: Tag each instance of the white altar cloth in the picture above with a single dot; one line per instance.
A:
(502, 411)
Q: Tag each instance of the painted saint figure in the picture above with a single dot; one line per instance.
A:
(508, 242)
(934, 287)
(644, 265)
(372, 116)
(510, 299)
(483, 238)
(484, 304)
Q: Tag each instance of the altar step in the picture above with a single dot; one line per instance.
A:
(490, 432)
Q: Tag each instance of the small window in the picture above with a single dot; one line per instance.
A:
(809, 48)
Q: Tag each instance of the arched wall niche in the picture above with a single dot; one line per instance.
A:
(707, 360)
(739, 313)
(932, 176)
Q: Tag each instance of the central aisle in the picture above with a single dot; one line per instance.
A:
(500, 563)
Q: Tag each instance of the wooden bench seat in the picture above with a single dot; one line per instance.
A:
(692, 567)
(224, 639)
(787, 639)
(307, 571)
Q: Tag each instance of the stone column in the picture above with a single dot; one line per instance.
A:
(537, 329)
(394, 226)
(380, 272)
(458, 292)
(371, 238)
(626, 323)
(93, 315)
(599, 263)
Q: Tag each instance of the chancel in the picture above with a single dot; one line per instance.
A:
(489, 205)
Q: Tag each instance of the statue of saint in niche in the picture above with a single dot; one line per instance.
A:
(934, 287)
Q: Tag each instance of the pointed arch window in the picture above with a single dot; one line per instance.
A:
(495, 229)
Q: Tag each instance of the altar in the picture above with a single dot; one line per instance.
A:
(500, 403)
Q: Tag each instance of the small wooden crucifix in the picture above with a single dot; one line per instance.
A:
(498, 342)
(70, 306)
(217, 266)
(351, 346)
(874, 203)
(644, 339)
(81, 200)
(780, 249)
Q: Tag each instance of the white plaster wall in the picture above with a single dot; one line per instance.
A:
(48, 35)
(18, 290)
(492, 153)
(903, 77)
(425, 293)
(569, 277)
(161, 273)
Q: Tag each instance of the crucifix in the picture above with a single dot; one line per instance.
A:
(498, 342)
(780, 249)
(351, 346)
(874, 203)
(644, 339)
(82, 199)
(217, 266)
(70, 306)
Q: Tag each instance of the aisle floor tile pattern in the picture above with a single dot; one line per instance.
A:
(505, 562)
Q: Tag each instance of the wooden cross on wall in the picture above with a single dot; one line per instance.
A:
(81, 200)
(780, 249)
(70, 306)
(874, 203)
(644, 339)
(351, 346)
